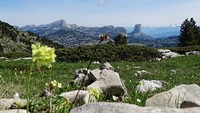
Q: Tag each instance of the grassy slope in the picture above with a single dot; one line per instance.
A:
(188, 72)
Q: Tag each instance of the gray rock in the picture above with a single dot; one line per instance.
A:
(188, 104)
(80, 79)
(125, 95)
(109, 83)
(6, 103)
(179, 96)
(164, 50)
(142, 73)
(166, 53)
(193, 53)
(105, 107)
(11, 103)
(95, 74)
(96, 62)
(158, 59)
(171, 55)
(82, 95)
(13, 111)
(173, 71)
(81, 74)
(148, 85)
(106, 66)
(81, 71)
(3, 58)
(25, 58)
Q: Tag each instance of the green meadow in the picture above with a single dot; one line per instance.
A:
(14, 76)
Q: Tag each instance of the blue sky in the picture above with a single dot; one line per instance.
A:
(100, 12)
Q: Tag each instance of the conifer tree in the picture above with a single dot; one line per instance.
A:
(189, 33)
(120, 39)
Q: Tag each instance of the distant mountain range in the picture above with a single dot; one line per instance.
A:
(137, 36)
(159, 32)
(15, 40)
(71, 35)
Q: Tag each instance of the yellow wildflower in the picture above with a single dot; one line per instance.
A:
(19, 103)
(59, 85)
(141, 83)
(64, 104)
(136, 74)
(20, 72)
(94, 92)
(68, 102)
(47, 84)
(53, 84)
(43, 55)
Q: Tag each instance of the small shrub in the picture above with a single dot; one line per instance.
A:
(183, 50)
(107, 52)
(13, 55)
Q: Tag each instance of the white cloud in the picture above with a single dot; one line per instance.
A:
(101, 3)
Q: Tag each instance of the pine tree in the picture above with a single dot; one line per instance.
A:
(189, 33)
(120, 39)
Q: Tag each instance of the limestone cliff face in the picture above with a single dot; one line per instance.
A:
(138, 34)
(137, 29)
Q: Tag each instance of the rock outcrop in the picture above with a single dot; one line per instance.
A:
(166, 53)
(82, 95)
(178, 97)
(6, 103)
(105, 107)
(109, 83)
(148, 85)
(103, 79)
(81, 74)
(14, 111)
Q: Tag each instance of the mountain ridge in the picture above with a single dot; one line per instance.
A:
(13, 39)
(71, 35)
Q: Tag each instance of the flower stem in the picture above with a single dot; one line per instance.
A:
(82, 82)
(28, 88)
(50, 103)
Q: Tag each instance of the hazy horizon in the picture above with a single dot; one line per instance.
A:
(125, 13)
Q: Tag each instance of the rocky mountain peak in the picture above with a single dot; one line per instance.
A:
(56, 25)
(61, 23)
(138, 34)
(138, 28)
